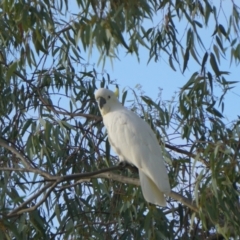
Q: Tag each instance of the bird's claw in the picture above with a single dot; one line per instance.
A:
(123, 164)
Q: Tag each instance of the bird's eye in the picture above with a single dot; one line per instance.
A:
(109, 97)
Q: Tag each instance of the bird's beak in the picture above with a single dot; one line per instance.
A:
(101, 101)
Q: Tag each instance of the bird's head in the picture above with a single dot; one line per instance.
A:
(107, 100)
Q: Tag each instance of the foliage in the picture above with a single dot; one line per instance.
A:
(52, 140)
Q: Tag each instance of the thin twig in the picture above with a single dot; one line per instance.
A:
(24, 160)
(33, 170)
(134, 181)
(30, 209)
(6, 145)
(16, 210)
(103, 173)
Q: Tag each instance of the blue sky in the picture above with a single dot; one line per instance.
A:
(128, 72)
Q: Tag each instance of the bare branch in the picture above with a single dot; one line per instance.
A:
(33, 170)
(187, 153)
(6, 145)
(185, 201)
(24, 159)
(16, 210)
(134, 181)
(83, 177)
(119, 178)
(87, 175)
(19, 211)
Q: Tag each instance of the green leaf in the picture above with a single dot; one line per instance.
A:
(223, 31)
(67, 125)
(219, 42)
(204, 60)
(147, 100)
(233, 42)
(171, 63)
(107, 150)
(194, 55)
(210, 78)
(26, 125)
(215, 112)
(216, 51)
(12, 68)
(190, 81)
(118, 34)
(198, 23)
(186, 58)
(214, 64)
(124, 96)
(146, 34)
(180, 212)
(208, 10)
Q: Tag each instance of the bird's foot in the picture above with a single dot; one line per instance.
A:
(132, 168)
(123, 164)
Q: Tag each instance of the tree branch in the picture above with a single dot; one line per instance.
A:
(25, 161)
(185, 201)
(4, 143)
(18, 209)
(182, 151)
(82, 177)
(135, 181)
(106, 173)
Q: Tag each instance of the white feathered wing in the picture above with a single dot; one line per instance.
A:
(134, 141)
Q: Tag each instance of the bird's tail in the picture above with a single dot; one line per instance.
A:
(150, 191)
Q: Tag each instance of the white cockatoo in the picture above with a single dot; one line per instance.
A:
(135, 142)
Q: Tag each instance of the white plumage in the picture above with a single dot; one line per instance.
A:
(134, 141)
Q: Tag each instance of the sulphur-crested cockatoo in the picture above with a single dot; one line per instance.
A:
(135, 142)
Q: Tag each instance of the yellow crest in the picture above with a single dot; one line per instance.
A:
(117, 91)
